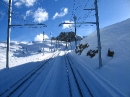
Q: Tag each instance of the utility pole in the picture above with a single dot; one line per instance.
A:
(70, 43)
(75, 18)
(51, 44)
(66, 44)
(51, 41)
(58, 42)
(75, 26)
(55, 44)
(98, 31)
(43, 43)
(98, 34)
(8, 33)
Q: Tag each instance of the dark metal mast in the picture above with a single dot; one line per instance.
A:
(8, 33)
(98, 34)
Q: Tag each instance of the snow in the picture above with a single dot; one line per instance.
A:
(116, 70)
(112, 80)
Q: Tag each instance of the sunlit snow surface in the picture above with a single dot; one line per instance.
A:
(116, 70)
(114, 76)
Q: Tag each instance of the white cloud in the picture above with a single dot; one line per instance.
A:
(28, 13)
(63, 12)
(7, 1)
(67, 25)
(40, 15)
(28, 3)
(1, 15)
(18, 4)
(40, 37)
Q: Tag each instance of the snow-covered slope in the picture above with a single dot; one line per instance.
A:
(115, 73)
(24, 52)
(116, 70)
(117, 38)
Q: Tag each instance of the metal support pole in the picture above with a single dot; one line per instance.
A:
(51, 44)
(75, 30)
(58, 43)
(55, 45)
(98, 34)
(70, 43)
(51, 40)
(66, 44)
(43, 43)
(8, 33)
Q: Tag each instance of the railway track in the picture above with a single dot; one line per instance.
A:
(22, 84)
(77, 86)
(81, 88)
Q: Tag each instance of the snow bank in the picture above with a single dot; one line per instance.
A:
(115, 70)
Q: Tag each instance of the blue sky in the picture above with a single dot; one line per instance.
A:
(54, 12)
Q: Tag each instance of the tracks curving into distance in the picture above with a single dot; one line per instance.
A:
(28, 78)
(82, 87)
(77, 86)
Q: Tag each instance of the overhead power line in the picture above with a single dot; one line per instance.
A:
(97, 26)
(19, 16)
